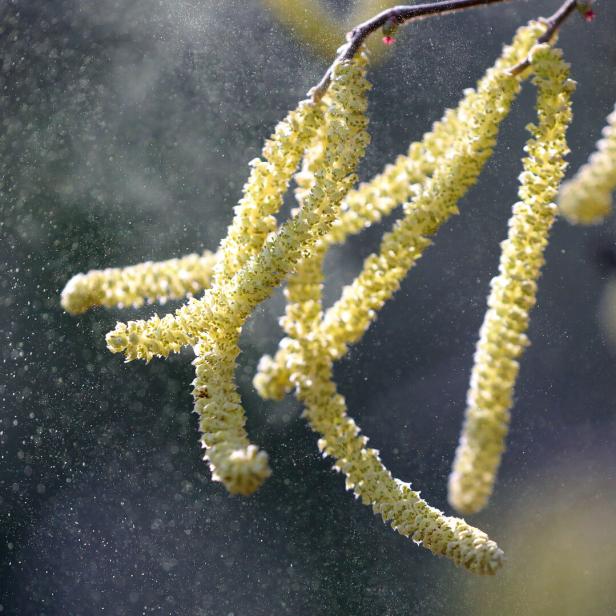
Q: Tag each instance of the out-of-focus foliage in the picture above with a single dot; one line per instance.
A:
(317, 26)
(607, 311)
(569, 562)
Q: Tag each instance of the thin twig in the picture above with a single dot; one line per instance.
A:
(553, 23)
(405, 14)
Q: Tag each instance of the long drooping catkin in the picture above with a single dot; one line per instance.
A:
(502, 338)
(233, 460)
(586, 199)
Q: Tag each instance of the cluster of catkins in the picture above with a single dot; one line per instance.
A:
(326, 139)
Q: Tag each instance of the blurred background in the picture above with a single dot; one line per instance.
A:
(126, 127)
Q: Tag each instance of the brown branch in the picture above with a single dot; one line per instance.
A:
(553, 23)
(400, 15)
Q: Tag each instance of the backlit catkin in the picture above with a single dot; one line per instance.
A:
(586, 199)
(138, 284)
(392, 499)
(224, 308)
(303, 311)
(257, 278)
(311, 373)
(503, 333)
(452, 164)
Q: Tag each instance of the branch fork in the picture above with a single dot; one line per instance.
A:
(404, 14)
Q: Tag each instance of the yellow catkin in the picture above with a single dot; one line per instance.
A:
(253, 221)
(303, 289)
(241, 466)
(326, 410)
(392, 499)
(252, 224)
(398, 182)
(262, 273)
(371, 201)
(214, 322)
(233, 460)
(513, 292)
(443, 180)
(138, 284)
(264, 191)
(586, 199)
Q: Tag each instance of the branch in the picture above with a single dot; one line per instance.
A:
(401, 15)
(553, 23)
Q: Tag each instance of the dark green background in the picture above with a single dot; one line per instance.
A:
(126, 127)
